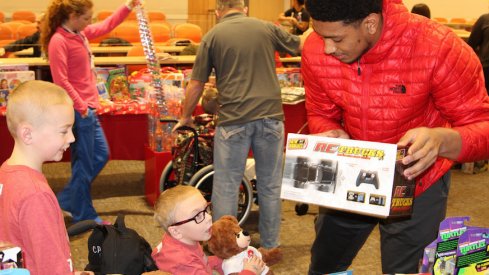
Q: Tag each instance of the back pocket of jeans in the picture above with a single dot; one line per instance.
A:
(232, 132)
(273, 129)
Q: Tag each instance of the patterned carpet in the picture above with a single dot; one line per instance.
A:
(120, 188)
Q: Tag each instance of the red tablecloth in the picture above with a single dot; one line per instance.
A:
(125, 126)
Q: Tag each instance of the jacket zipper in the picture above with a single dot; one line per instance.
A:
(365, 79)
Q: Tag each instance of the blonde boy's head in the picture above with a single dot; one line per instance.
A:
(168, 202)
(31, 102)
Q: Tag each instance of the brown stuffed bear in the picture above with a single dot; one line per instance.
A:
(231, 243)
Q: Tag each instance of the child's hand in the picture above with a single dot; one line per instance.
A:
(254, 264)
(132, 3)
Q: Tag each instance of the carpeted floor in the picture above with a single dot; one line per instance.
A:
(120, 188)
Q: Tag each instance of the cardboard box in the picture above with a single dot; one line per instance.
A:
(355, 176)
(439, 255)
(10, 256)
(473, 252)
(10, 80)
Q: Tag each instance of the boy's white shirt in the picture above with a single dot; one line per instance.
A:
(235, 263)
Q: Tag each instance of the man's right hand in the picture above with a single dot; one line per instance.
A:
(184, 122)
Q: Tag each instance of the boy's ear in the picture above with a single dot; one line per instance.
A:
(24, 133)
(174, 232)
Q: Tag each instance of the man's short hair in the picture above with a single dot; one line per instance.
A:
(348, 11)
(300, 2)
(31, 100)
(230, 4)
(168, 202)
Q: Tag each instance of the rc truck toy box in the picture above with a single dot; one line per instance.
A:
(356, 176)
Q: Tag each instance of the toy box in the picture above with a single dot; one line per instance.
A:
(350, 175)
(116, 85)
(439, 256)
(289, 77)
(10, 256)
(473, 252)
(10, 80)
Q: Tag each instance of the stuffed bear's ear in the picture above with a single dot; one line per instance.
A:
(231, 218)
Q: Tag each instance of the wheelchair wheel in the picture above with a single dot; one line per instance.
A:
(301, 209)
(203, 181)
(167, 178)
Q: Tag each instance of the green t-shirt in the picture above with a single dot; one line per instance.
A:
(242, 52)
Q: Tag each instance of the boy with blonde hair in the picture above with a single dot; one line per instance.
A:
(39, 117)
(184, 215)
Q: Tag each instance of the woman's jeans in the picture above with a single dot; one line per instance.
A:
(89, 154)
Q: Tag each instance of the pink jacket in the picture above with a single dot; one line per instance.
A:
(419, 74)
(69, 60)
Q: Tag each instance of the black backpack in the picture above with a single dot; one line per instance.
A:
(116, 249)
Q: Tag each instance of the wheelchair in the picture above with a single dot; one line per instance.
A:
(189, 167)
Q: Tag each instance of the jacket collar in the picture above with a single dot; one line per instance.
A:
(395, 17)
(67, 33)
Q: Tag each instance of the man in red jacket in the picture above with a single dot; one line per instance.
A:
(375, 72)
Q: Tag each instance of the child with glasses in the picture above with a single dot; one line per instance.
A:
(184, 215)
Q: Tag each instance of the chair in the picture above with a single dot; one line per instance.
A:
(161, 32)
(441, 20)
(99, 39)
(6, 32)
(26, 30)
(101, 15)
(132, 16)
(189, 31)
(14, 25)
(458, 21)
(128, 31)
(137, 50)
(156, 16)
(26, 15)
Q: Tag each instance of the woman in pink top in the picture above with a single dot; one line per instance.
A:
(64, 39)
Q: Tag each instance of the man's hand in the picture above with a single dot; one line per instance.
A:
(184, 122)
(426, 145)
(337, 133)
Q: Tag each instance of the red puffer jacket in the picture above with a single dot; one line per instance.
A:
(419, 74)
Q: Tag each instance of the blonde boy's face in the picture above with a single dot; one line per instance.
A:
(191, 232)
(54, 136)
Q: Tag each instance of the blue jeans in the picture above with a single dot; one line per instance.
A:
(231, 147)
(89, 154)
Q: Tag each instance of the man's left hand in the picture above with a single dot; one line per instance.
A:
(426, 144)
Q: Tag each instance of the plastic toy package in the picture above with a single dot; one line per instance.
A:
(458, 249)
(9, 80)
(350, 175)
(473, 252)
(112, 84)
(439, 256)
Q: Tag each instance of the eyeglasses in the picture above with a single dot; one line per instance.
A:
(198, 218)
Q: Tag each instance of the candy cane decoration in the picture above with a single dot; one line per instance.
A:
(151, 58)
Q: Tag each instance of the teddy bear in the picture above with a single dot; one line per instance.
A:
(232, 244)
